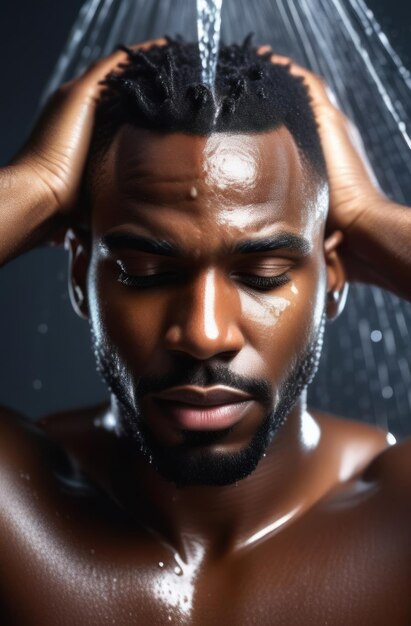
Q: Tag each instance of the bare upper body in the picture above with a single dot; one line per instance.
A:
(317, 531)
(72, 555)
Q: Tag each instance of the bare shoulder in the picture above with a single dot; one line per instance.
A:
(73, 424)
(18, 437)
(36, 447)
(376, 456)
(393, 467)
(352, 440)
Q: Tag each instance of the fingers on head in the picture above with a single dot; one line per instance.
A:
(99, 69)
(320, 92)
(317, 86)
(160, 41)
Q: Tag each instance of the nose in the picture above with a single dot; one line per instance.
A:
(204, 322)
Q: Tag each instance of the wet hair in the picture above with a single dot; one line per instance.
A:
(160, 89)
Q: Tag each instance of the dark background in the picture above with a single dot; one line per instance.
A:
(38, 338)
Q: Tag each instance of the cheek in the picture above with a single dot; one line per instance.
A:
(281, 326)
(127, 324)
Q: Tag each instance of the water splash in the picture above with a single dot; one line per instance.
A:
(208, 32)
(341, 40)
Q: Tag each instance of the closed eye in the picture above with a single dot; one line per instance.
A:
(264, 283)
(148, 280)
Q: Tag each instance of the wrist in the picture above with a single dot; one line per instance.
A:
(26, 182)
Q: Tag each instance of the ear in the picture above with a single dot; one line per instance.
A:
(78, 246)
(337, 286)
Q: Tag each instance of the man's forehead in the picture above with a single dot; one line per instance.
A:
(223, 159)
(256, 174)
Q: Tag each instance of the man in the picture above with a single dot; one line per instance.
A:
(206, 493)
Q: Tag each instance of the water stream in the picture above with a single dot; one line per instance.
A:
(365, 370)
(208, 33)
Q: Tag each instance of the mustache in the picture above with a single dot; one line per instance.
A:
(205, 376)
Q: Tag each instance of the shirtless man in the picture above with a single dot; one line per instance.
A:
(206, 492)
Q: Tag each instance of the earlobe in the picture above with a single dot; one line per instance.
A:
(337, 286)
(78, 267)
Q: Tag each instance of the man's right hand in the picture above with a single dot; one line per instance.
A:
(55, 154)
(57, 150)
(39, 190)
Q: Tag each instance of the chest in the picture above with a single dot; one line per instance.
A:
(334, 566)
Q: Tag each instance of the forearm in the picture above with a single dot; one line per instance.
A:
(380, 246)
(27, 211)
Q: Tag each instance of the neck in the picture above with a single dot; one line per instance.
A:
(285, 483)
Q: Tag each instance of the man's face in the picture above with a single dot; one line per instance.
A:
(205, 306)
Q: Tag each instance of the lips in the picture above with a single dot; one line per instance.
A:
(201, 408)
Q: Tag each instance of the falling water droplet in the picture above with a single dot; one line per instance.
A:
(376, 336)
(387, 392)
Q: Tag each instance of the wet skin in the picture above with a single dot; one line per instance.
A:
(92, 534)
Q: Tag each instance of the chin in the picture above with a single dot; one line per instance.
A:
(201, 460)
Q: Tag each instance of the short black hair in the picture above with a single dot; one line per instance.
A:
(160, 89)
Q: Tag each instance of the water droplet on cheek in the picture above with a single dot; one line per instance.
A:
(294, 289)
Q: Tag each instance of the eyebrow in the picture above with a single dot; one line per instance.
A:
(120, 241)
(288, 241)
(281, 241)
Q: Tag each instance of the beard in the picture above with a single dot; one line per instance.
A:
(193, 461)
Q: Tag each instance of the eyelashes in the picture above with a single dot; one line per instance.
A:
(150, 280)
(261, 283)
(265, 282)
